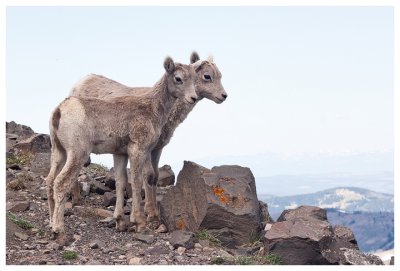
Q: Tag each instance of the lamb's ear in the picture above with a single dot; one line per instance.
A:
(194, 57)
(210, 59)
(169, 65)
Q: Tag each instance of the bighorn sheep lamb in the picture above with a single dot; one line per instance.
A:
(125, 126)
(208, 85)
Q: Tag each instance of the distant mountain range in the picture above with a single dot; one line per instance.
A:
(373, 231)
(344, 199)
(369, 214)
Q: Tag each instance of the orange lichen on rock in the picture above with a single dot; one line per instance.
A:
(218, 191)
(180, 224)
(224, 199)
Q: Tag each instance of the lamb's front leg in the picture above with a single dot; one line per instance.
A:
(137, 158)
(121, 178)
(151, 188)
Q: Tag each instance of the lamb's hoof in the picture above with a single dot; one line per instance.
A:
(121, 225)
(141, 228)
(60, 237)
(153, 218)
(138, 219)
(76, 203)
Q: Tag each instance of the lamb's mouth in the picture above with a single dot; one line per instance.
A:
(220, 100)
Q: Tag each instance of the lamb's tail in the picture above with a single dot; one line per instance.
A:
(54, 124)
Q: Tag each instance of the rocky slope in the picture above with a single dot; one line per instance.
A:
(244, 234)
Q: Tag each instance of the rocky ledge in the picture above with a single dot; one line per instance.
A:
(209, 216)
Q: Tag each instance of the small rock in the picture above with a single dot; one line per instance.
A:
(83, 259)
(46, 251)
(182, 239)
(43, 193)
(179, 258)
(85, 188)
(29, 247)
(121, 257)
(68, 205)
(107, 250)
(77, 237)
(109, 198)
(34, 230)
(110, 182)
(54, 246)
(224, 254)
(204, 243)
(127, 209)
(96, 244)
(144, 238)
(21, 236)
(181, 250)
(128, 245)
(197, 245)
(356, 257)
(166, 176)
(83, 178)
(42, 242)
(268, 227)
(162, 229)
(134, 261)
(107, 220)
(98, 188)
(392, 260)
(103, 213)
(17, 206)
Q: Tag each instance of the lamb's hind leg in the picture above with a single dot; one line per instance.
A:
(137, 159)
(62, 185)
(58, 158)
(121, 178)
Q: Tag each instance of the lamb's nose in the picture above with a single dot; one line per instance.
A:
(224, 95)
(194, 99)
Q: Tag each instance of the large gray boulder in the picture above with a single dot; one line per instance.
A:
(304, 236)
(223, 198)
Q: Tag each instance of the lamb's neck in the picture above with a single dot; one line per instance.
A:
(179, 112)
(163, 100)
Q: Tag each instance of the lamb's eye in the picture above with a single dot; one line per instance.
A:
(207, 77)
(178, 79)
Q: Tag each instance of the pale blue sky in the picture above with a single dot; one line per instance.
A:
(299, 79)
